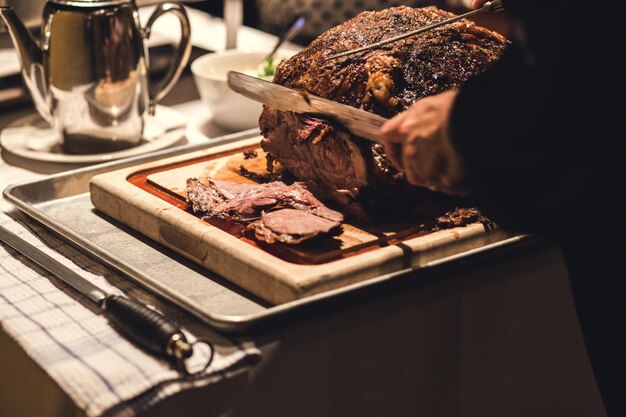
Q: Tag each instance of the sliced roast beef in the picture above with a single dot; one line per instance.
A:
(292, 226)
(275, 211)
(347, 169)
(213, 200)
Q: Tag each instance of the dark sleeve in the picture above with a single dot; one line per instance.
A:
(542, 140)
(539, 131)
(496, 128)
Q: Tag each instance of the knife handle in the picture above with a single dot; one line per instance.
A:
(148, 328)
(494, 5)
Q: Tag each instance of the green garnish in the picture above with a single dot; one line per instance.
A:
(268, 69)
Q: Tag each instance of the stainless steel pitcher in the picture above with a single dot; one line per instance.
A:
(88, 75)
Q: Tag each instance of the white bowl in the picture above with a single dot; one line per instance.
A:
(230, 110)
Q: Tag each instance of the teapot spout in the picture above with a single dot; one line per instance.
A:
(31, 60)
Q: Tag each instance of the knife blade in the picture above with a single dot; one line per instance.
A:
(146, 327)
(490, 6)
(360, 122)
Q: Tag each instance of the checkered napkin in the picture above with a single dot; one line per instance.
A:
(101, 371)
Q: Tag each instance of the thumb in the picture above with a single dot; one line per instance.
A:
(477, 4)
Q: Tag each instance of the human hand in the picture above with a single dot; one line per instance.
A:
(477, 4)
(417, 142)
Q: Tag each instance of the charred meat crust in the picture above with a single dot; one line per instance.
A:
(389, 79)
(347, 169)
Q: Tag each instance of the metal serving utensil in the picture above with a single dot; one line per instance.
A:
(294, 27)
(490, 6)
(144, 326)
(360, 122)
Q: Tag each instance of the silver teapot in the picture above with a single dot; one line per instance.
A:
(88, 75)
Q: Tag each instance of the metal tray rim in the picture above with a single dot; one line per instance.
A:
(219, 321)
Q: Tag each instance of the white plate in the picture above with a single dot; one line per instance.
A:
(9, 63)
(32, 138)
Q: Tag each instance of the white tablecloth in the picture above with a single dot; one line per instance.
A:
(99, 369)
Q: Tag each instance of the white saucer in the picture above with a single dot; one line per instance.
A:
(32, 138)
(9, 62)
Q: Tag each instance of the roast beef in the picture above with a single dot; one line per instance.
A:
(274, 211)
(459, 217)
(292, 226)
(350, 170)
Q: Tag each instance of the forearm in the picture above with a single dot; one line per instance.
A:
(498, 125)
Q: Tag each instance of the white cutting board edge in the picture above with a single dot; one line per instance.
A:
(265, 275)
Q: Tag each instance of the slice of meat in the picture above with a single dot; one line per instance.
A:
(291, 226)
(209, 199)
(265, 205)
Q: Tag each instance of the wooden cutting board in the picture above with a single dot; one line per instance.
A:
(150, 199)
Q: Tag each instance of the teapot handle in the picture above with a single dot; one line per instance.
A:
(183, 50)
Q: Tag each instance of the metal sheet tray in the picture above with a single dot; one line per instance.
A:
(61, 202)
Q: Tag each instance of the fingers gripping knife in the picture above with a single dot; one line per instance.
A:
(144, 326)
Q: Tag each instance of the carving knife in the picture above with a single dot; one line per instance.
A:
(359, 122)
(490, 6)
(146, 327)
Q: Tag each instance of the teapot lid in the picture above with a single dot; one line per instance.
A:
(90, 3)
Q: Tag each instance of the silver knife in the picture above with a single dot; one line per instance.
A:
(144, 326)
(359, 122)
(490, 6)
